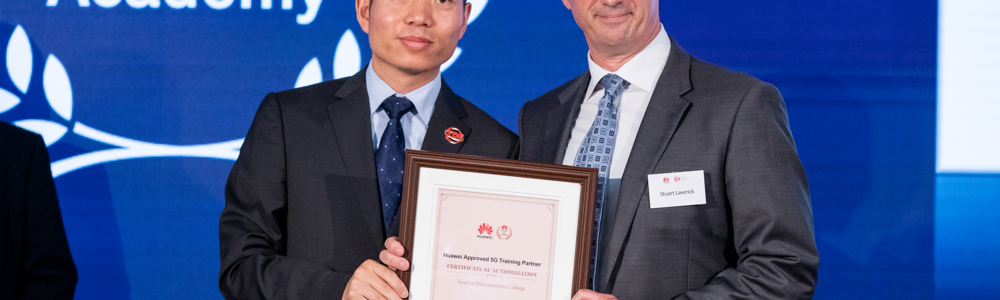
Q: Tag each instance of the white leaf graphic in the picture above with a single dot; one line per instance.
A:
(347, 59)
(310, 74)
(477, 8)
(19, 59)
(50, 131)
(8, 101)
(454, 57)
(55, 81)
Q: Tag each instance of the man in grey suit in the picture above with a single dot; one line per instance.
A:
(752, 238)
(646, 107)
(316, 188)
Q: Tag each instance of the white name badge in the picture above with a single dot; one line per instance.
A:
(676, 189)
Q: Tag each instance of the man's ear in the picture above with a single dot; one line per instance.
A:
(566, 3)
(364, 9)
(468, 12)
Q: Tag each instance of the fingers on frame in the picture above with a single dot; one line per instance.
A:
(394, 246)
(381, 290)
(585, 294)
(385, 281)
(390, 278)
(358, 289)
(388, 259)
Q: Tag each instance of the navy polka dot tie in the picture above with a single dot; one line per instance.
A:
(389, 158)
(596, 150)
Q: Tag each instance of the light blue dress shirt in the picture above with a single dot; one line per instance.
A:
(415, 122)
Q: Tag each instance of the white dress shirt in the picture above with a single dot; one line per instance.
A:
(642, 72)
(414, 122)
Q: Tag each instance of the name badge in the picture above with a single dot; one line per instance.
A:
(676, 189)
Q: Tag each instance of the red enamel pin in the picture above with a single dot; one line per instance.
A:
(453, 135)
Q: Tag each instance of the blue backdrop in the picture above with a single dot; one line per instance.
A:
(144, 106)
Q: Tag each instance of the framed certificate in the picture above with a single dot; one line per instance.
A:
(483, 228)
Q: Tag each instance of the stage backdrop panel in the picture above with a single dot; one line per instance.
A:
(967, 231)
(144, 104)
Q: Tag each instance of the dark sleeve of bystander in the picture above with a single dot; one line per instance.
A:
(35, 261)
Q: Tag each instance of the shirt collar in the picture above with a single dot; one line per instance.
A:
(642, 71)
(423, 98)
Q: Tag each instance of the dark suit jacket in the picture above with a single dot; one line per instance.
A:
(754, 237)
(302, 201)
(35, 262)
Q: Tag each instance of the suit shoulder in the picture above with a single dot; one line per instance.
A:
(17, 139)
(483, 121)
(702, 70)
(18, 148)
(319, 93)
(709, 81)
(554, 93)
(710, 75)
(551, 98)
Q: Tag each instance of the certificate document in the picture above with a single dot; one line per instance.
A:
(504, 249)
(482, 228)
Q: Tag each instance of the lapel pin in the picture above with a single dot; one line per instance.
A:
(453, 135)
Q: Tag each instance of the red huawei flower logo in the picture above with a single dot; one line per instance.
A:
(485, 228)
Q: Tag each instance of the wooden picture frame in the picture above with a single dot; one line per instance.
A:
(572, 187)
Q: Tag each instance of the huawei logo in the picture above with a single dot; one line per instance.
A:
(485, 228)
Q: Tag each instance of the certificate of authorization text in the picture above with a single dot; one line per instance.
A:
(492, 246)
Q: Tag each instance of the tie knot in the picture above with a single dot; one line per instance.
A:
(614, 84)
(396, 107)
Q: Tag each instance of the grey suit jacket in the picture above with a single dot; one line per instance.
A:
(302, 201)
(753, 239)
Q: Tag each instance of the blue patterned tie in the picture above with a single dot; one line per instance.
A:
(389, 158)
(596, 150)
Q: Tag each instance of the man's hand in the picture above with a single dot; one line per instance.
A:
(592, 295)
(392, 256)
(374, 281)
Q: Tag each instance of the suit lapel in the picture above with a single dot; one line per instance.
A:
(350, 116)
(448, 114)
(562, 119)
(664, 113)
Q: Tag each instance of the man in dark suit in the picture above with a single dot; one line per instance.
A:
(315, 190)
(35, 262)
(646, 107)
